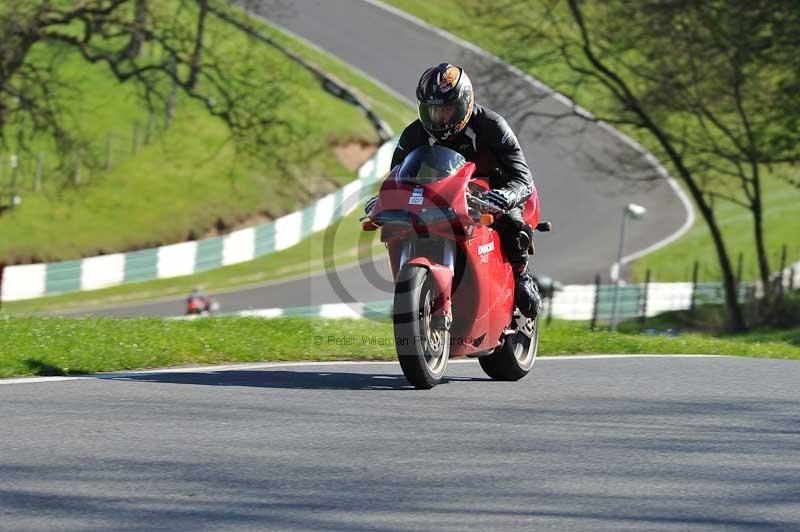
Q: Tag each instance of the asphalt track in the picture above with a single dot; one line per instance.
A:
(585, 174)
(657, 444)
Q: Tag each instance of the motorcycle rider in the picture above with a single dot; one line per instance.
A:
(449, 116)
(197, 300)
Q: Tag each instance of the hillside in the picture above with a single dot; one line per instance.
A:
(189, 181)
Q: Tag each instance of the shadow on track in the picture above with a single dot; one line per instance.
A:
(306, 380)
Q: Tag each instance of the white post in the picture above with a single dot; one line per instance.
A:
(618, 265)
(636, 212)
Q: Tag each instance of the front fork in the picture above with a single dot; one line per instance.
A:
(442, 275)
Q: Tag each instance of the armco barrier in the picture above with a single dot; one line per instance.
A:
(37, 280)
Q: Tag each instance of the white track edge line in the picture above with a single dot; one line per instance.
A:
(671, 181)
(121, 375)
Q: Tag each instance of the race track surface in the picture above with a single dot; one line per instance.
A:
(572, 162)
(657, 444)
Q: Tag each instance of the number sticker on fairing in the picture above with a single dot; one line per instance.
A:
(416, 196)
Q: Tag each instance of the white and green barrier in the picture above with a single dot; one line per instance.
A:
(36, 280)
(373, 309)
(570, 302)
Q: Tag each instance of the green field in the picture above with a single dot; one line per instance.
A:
(674, 262)
(189, 180)
(57, 346)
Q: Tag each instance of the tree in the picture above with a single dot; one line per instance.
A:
(37, 34)
(715, 85)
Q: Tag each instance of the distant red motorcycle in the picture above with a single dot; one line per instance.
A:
(201, 305)
(454, 287)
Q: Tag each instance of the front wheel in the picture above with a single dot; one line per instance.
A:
(421, 349)
(514, 358)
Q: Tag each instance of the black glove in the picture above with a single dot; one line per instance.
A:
(502, 198)
(370, 205)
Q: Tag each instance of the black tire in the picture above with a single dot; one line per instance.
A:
(421, 350)
(514, 358)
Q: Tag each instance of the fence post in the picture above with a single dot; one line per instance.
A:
(137, 126)
(151, 124)
(739, 265)
(596, 301)
(695, 271)
(37, 178)
(109, 150)
(645, 295)
(2, 269)
(76, 176)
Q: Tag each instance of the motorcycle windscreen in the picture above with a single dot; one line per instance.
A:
(429, 164)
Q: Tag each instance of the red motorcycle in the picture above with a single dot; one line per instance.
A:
(201, 305)
(454, 287)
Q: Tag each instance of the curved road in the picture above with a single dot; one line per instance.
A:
(571, 160)
(658, 444)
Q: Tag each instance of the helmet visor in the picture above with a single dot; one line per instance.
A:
(440, 117)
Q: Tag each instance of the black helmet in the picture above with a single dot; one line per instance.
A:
(445, 100)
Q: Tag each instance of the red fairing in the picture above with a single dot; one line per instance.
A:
(396, 194)
(486, 292)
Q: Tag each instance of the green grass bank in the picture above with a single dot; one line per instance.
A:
(58, 346)
(189, 181)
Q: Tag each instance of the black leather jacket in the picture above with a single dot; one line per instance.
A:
(488, 141)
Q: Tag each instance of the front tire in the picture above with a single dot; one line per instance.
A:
(421, 350)
(514, 358)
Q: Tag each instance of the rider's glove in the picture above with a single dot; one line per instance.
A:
(502, 198)
(370, 205)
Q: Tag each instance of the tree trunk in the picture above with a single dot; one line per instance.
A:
(736, 319)
(134, 47)
(3, 110)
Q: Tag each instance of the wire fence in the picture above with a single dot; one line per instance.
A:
(602, 303)
(33, 172)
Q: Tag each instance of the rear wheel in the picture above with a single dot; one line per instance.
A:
(421, 349)
(514, 358)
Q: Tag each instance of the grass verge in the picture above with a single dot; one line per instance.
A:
(59, 346)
